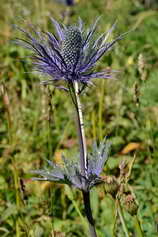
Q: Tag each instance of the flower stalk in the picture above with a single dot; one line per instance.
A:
(68, 58)
(81, 132)
(88, 212)
(83, 159)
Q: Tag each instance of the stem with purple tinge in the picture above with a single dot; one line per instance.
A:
(88, 211)
(83, 156)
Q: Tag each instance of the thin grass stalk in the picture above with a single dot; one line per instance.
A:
(122, 219)
(100, 112)
(94, 132)
(139, 231)
(6, 102)
(71, 197)
(43, 9)
(115, 220)
(67, 15)
(17, 229)
(36, 5)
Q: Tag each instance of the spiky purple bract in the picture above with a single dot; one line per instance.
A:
(70, 172)
(71, 54)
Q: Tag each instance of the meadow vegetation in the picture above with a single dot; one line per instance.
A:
(37, 122)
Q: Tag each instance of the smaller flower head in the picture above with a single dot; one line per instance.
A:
(111, 184)
(129, 203)
(70, 172)
(71, 54)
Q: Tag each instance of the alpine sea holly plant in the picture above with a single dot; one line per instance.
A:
(68, 59)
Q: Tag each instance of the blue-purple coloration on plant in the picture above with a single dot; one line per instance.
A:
(71, 54)
(70, 173)
(67, 2)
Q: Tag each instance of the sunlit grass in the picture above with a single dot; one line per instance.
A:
(37, 123)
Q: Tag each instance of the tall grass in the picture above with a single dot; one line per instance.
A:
(27, 135)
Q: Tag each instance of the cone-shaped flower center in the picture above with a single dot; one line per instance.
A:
(71, 46)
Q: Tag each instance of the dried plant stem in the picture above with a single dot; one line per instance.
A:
(122, 219)
(83, 156)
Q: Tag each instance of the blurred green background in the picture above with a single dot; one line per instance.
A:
(37, 123)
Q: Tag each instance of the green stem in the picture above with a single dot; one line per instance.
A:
(122, 219)
(100, 112)
(71, 197)
(139, 232)
(115, 219)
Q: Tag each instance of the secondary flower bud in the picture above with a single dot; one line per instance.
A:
(130, 204)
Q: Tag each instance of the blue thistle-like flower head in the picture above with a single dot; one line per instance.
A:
(70, 173)
(71, 47)
(71, 54)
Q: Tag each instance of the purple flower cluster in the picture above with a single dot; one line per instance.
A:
(71, 54)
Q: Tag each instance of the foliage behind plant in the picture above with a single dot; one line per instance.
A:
(35, 126)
